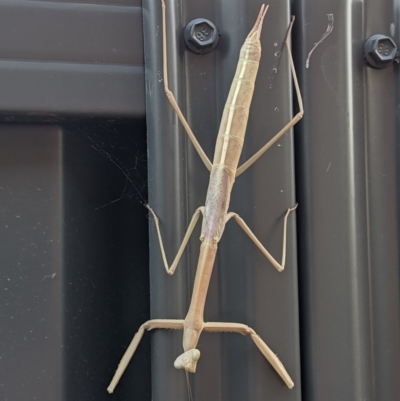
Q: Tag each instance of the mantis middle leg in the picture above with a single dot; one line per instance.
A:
(280, 267)
(171, 269)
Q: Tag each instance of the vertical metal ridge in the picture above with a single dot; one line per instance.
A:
(244, 288)
(167, 189)
(348, 195)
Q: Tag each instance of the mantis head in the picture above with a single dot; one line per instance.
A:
(188, 360)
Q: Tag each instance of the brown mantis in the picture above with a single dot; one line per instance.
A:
(224, 170)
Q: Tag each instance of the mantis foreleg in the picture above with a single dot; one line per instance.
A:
(261, 345)
(149, 325)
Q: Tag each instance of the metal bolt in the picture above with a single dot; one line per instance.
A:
(201, 36)
(380, 51)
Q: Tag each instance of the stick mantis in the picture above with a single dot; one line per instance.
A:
(223, 172)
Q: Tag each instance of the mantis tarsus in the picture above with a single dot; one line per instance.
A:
(224, 170)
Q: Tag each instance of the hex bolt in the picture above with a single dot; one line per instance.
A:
(380, 51)
(201, 36)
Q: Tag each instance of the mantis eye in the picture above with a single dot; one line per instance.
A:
(188, 360)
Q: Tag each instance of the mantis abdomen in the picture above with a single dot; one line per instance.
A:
(236, 112)
(226, 158)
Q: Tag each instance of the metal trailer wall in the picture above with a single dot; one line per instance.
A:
(346, 185)
(348, 188)
(74, 255)
(244, 288)
(73, 235)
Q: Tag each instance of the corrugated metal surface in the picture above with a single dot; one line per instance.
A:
(244, 288)
(72, 179)
(334, 322)
(347, 184)
(347, 180)
(71, 59)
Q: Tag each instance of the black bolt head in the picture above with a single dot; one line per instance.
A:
(201, 36)
(380, 51)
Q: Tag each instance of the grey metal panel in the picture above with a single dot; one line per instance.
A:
(348, 190)
(382, 100)
(73, 232)
(51, 91)
(244, 287)
(30, 338)
(105, 258)
(69, 272)
(136, 3)
(62, 59)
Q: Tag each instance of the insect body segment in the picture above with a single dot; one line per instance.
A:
(226, 158)
(231, 135)
(188, 360)
(217, 203)
(236, 112)
(194, 319)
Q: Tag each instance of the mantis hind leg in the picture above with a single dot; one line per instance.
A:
(291, 123)
(172, 100)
